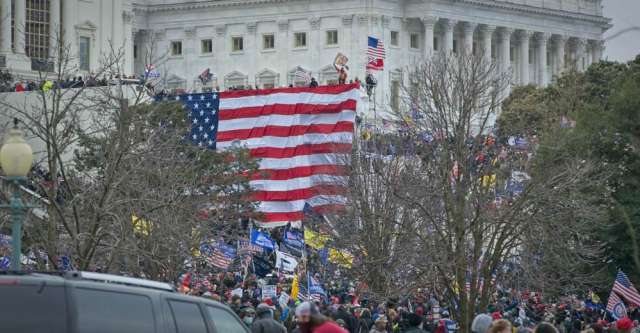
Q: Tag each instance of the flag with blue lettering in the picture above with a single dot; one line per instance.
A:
(315, 287)
(263, 240)
(294, 242)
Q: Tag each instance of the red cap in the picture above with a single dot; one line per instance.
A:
(624, 324)
(268, 301)
(496, 315)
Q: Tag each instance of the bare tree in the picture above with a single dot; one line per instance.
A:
(107, 157)
(467, 224)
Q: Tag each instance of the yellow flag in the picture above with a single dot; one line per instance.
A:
(140, 226)
(489, 180)
(314, 239)
(341, 258)
(294, 287)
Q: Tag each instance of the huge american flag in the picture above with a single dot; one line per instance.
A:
(302, 136)
(625, 288)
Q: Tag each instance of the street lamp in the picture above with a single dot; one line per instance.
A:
(16, 157)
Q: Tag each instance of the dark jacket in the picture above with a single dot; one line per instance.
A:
(415, 329)
(265, 324)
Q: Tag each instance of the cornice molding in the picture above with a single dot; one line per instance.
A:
(498, 4)
(540, 11)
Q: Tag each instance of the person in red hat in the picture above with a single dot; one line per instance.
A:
(624, 325)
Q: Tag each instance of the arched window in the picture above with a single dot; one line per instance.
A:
(328, 75)
(299, 76)
(236, 80)
(175, 82)
(267, 79)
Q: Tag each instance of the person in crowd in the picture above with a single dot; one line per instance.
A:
(481, 323)
(310, 320)
(624, 325)
(545, 327)
(264, 322)
(380, 325)
(500, 326)
(248, 314)
(313, 83)
(414, 323)
(365, 322)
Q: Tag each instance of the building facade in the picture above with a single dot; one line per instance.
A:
(31, 30)
(263, 42)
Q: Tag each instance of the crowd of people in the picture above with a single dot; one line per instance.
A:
(9, 84)
(343, 309)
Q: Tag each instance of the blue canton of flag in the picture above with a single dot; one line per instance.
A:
(203, 115)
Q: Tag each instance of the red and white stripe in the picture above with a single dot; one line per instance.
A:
(630, 294)
(303, 138)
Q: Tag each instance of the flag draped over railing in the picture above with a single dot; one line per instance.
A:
(301, 136)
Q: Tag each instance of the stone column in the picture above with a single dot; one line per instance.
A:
(561, 44)
(524, 56)
(598, 47)
(467, 37)
(448, 25)
(580, 53)
(20, 26)
(54, 28)
(504, 44)
(487, 34)
(129, 36)
(541, 65)
(429, 23)
(5, 28)
(282, 47)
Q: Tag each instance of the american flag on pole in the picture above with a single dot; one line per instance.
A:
(375, 54)
(625, 288)
(218, 254)
(301, 136)
(616, 307)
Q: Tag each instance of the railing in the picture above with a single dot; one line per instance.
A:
(41, 65)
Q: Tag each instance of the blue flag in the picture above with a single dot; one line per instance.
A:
(315, 287)
(5, 263)
(263, 240)
(294, 242)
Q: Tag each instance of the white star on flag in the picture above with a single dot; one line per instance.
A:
(195, 106)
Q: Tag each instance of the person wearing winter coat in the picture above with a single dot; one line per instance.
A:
(311, 321)
(264, 322)
(414, 323)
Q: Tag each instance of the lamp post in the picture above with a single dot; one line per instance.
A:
(16, 157)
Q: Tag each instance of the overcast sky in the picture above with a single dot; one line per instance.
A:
(625, 14)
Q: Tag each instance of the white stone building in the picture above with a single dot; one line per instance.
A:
(262, 42)
(30, 31)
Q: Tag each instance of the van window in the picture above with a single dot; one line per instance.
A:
(32, 308)
(224, 321)
(104, 311)
(187, 317)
